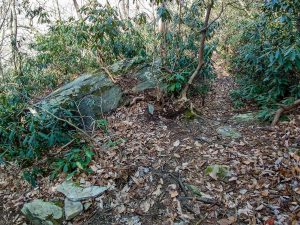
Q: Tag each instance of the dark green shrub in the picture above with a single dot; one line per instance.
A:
(266, 57)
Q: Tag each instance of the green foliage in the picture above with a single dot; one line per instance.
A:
(27, 132)
(76, 46)
(267, 57)
(31, 176)
(176, 82)
(102, 124)
(218, 171)
(74, 161)
(182, 42)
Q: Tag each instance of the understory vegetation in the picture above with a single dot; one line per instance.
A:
(259, 43)
(266, 57)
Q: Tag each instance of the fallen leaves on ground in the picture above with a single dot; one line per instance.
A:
(156, 170)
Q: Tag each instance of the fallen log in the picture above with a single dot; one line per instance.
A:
(283, 109)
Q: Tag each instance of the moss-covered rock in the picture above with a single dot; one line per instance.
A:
(93, 95)
(39, 212)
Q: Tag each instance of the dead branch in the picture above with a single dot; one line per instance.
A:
(180, 183)
(66, 121)
(283, 109)
(134, 100)
(200, 199)
(109, 74)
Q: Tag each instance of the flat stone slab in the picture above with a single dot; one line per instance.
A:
(76, 193)
(39, 212)
(245, 117)
(72, 209)
(228, 132)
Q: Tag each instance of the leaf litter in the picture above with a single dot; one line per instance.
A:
(179, 171)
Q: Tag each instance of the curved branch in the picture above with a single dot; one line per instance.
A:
(283, 109)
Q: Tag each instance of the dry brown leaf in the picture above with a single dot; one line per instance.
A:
(230, 220)
(265, 193)
(173, 193)
(177, 155)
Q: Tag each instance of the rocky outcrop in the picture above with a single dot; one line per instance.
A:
(39, 212)
(94, 94)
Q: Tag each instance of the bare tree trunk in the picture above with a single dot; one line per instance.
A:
(77, 9)
(244, 7)
(14, 35)
(1, 46)
(137, 7)
(162, 29)
(127, 9)
(124, 9)
(58, 10)
(201, 49)
(298, 23)
(200, 53)
(178, 52)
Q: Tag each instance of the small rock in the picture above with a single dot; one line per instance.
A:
(243, 191)
(176, 143)
(230, 132)
(82, 181)
(40, 212)
(245, 117)
(75, 193)
(72, 209)
(135, 220)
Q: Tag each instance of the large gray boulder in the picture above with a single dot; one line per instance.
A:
(93, 95)
(148, 77)
(39, 212)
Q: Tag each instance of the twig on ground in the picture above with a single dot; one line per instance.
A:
(200, 199)
(202, 220)
(61, 148)
(181, 185)
(134, 100)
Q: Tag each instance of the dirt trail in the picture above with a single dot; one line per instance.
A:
(168, 159)
(155, 168)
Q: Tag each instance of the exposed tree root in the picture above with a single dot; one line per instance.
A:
(284, 109)
(136, 99)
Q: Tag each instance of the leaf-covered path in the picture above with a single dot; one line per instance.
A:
(164, 168)
(182, 170)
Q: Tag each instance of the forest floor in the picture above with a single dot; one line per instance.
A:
(156, 169)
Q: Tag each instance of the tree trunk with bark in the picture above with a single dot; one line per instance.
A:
(14, 36)
(200, 53)
(77, 9)
(58, 10)
(284, 109)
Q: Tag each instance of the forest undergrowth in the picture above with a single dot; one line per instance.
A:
(163, 171)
